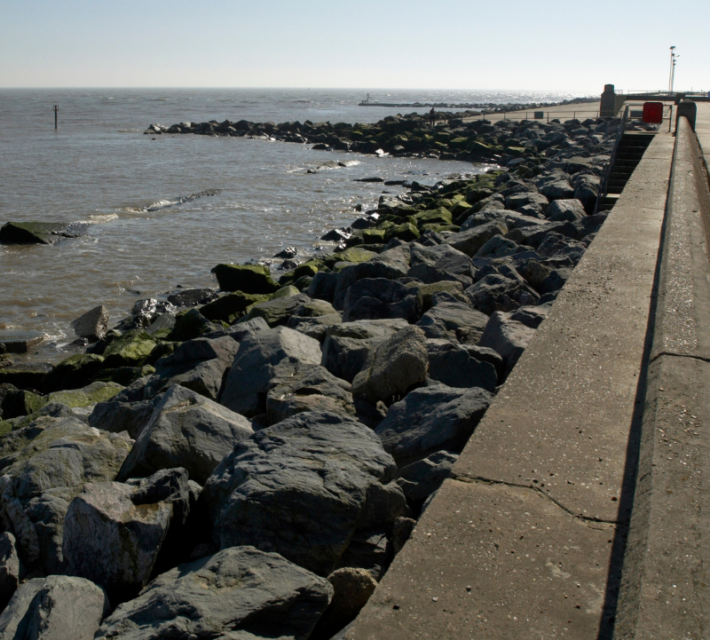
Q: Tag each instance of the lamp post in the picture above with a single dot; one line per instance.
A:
(671, 76)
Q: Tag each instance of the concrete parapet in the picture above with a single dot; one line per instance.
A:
(665, 591)
(527, 539)
(686, 109)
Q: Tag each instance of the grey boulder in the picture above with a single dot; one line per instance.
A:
(566, 210)
(347, 345)
(297, 488)
(11, 571)
(456, 365)
(54, 608)
(430, 419)
(422, 478)
(453, 321)
(507, 336)
(185, 430)
(379, 298)
(296, 388)
(393, 366)
(93, 324)
(240, 593)
(248, 381)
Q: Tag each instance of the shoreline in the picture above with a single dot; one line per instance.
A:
(375, 361)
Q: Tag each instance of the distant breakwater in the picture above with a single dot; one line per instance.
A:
(445, 135)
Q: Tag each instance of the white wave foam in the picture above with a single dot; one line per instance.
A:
(99, 218)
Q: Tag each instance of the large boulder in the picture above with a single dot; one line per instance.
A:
(114, 532)
(379, 298)
(393, 366)
(11, 570)
(507, 336)
(347, 345)
(423, 477)
(431, 419)
(453, 321)
(456, 365)
(296, 388)
(566, 210)
(248, 381)
(199, 364)
(32, 232)
(498, 292)
(470, 241)
(249, 278)
(238, 593)
(371, 270)
(93, 324)
(54, 608)
(280, 310)
(45, 464)
(268, 490)
(185, 430)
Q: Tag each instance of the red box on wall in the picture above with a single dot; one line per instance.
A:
(653, 112)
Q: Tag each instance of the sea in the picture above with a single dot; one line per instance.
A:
(146, 237)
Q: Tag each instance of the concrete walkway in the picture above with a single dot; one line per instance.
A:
(563, 112)
(702, 129)
(526, 541)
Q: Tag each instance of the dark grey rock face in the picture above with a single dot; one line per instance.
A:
(297, 488)
(422, 478)
(378, 298)
(248, 381)
(54, 608)
(457, 366)
(116, 416)
(114, 532)
(239, 593)
(507, 336)
(11, 571)
(296, 388)
(453, 321)
(93, 324)
(371, 270)
(393, 366)
(431, 419)
(566, 210)
(347, 345)
(185, 430)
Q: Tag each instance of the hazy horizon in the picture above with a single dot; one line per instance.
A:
(395, 45)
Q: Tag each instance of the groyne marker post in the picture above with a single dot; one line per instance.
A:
(56, 110)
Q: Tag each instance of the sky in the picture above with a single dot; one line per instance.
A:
(373, 44)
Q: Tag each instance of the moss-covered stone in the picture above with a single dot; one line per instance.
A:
(374, 236)
(31, 232)
(286, 292)
(161, 349)
(516, 152)
(356, 255)
(406, 232)
(73, 372)
(441, 215)
(125, 375)
(25, 376)
(249, 278)
(130, 350)
(438, 228)
(20, 402)
(95, 392)
(231, 307)
(309, 268)
(190, 325)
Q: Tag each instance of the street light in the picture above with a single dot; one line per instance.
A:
(671, 75)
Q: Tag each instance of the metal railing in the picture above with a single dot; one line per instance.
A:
(546, 115)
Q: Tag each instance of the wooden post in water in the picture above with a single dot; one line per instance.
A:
(56, 109)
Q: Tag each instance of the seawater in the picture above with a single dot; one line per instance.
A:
(145, 238)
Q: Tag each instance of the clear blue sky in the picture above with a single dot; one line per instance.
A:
(447, 44)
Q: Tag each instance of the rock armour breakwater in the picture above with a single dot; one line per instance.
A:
(289, 426)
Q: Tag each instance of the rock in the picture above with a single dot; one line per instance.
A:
(248, 380)
(352, 589)
(45, 464)
(499, 247)
(281, 310)
(567, 210)
(323, 286)
(498, 292)
(517, 201)
(116, 416)
(586, 190)
(73, 372)
(129, 350)
(469, 242)
(113, 532)
(287, 253)
(422, 478)
(370, 550)
(232, 306)
(250, 278)
(296, 388)
(14, 341)
(54, 608)
(371, 270)
(190, 325)
(431, 419)
(11, 572)
(453, 321)
(185, 430)
(557, 190)
(456, 366)
(191, 297)
(393, 366)
(33, 232)
(378, 298)
(93, 324)
(237, 593)
(199, 365)
(347, 345)
(530, 316)
(403, 528)
(557, 246)
(506, 336)
(22, 375)
(266, 492)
